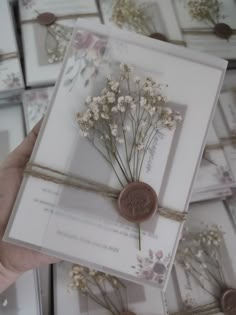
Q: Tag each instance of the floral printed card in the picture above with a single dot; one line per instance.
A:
(196, 290)
(44, 40)
(154, 18)
(214, 173)
(11, 79)
(35, 103)
(107, 82)
(144, 300)
(208, 25)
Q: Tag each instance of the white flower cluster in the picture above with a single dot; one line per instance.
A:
(211, 237)
(126, 12)
(204, 10)
(61, 35)
(83, 277)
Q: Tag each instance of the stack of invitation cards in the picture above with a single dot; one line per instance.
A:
(35, 104)
(154, 18)
(22, 298)
(46, 27)
(11, 80)
(122, 296)
(106, 179)
(12, 129)
(208, 25)
(230, 204)
(44, 278)
(205, 267)
(214, 178)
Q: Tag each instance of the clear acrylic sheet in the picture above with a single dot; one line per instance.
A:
(60, 222)
(97, 214)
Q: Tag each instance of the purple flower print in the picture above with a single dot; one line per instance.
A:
(153, 267)
(13, 81)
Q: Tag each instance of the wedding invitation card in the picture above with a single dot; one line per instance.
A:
(35, 104)
(11, 79)
(208, 26)
(206, 282)
(214, 178)
(46, 27)
(155, 19)
(143, 300)
(94, 198)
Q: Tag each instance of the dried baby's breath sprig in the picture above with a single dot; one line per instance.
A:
(126, 12)
(200, 256)
(209, 11)
(205, 10)
(124, 119)
(106, 290)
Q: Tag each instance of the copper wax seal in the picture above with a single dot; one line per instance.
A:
(46, 18)
(223, 30)
(137, 202)
(228, 302)
(159, 36)
(127, 313)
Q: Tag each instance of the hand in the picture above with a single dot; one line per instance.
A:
(15, 260)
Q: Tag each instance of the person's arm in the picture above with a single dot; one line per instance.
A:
(15, 260)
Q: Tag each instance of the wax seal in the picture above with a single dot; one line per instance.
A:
(137, 202)
(46, 18)
(223, 30)
(228, 302)
(159, 36)
(127, 313)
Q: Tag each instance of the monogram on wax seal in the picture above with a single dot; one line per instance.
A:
(137, 202)
(46, 18)
(228, 302)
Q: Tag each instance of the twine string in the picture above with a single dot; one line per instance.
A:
(223, 142)
(7, 56)
(203, 31)
(63, 17)
(208, 309)
(51, 175)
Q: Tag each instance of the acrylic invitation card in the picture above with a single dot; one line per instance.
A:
(208, 25)
(133, 297)
(35, 104)
(204, 279)
(154, 18)
(83, 226)
(11, 79)
(46, 36)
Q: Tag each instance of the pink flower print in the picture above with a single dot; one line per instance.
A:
(159, 254)
(100, 47)
(82, 40)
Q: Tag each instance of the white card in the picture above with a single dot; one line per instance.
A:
(93, 233)
(228, 106)
(35, 103)
(143, 300)
(11, 79)
(214, 172)
(22, 298)
(38, 67)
